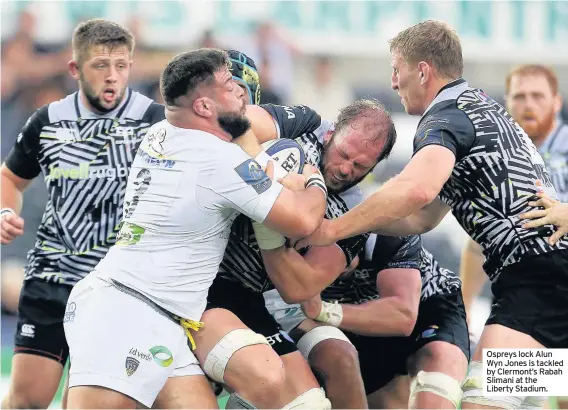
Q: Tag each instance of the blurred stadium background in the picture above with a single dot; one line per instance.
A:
(322, 54)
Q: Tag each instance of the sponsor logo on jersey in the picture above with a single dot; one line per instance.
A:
(251, 172)
(155, 141)
(158, 162)
(86, 171)
(129, 234)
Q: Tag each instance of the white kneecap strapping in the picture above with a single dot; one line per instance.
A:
(437, 383)
(472, 388)
(219, 356)
(317, 335)
(312, 399)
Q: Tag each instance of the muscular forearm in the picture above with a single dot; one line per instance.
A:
(310, 210)
(12, 197)
(392, 202)
(295, 278)
(406, 226)
(390, 316)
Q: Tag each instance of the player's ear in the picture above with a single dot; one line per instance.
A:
(424, 71)
(203, 107)
(327, 136)
(74, 70)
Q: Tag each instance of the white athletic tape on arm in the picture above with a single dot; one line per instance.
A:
(317, 335)
(437, 383)
(219, 356)
(316, 179)
(330, 313)
(6, 211)
(262, 158)
(312, 399)
(266, 237)
(472, 388)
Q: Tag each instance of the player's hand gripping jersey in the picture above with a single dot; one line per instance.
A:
(242, 260)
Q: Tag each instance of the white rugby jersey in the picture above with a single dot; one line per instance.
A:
(185, 189)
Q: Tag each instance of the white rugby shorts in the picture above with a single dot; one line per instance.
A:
(119, 342)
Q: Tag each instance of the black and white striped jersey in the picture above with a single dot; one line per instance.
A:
(389, 252)
(554, 151)
(496, 170)
(242, 261)
(85, 159)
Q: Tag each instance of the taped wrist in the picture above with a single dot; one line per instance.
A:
(316, 179)
(267, 238)
(330, 313)
(6, 211)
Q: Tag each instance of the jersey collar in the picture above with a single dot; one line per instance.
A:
(83, 113)
(450, 91)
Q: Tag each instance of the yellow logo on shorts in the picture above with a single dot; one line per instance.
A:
(162, 355)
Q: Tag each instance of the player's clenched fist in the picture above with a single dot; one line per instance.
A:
(11, 226)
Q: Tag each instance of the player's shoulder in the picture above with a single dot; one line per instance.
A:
(444, 115)
(563, 133)
(141, 107)
(352, 196)
(444, 109)
(293, 120)
(63, 109)
(291, 111)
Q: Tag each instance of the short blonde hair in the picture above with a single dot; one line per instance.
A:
(434, 42)
(533, 69)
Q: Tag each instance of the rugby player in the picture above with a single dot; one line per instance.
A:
(533, 100)
(472, 157)
(363, 134)
(84, 145)
(187, 185)
(399, 292)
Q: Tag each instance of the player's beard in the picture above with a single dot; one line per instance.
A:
(334, 186)
(538, 129)
(235, 124)
(95, 100)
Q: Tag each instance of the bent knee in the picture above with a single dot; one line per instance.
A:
(256, 368)
(334, 355)
(23, 399)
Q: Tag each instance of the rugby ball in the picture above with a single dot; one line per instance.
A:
(286, 153)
